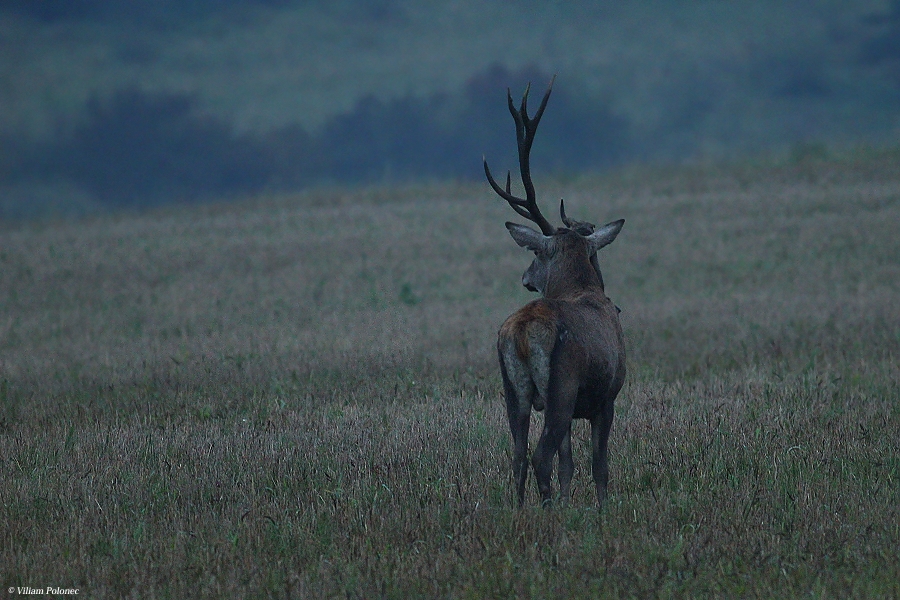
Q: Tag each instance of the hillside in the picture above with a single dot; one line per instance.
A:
(108, 107)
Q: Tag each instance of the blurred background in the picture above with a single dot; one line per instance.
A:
(107, 104)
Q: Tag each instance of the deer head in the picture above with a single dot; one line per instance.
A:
(550, 261)
(562, 254)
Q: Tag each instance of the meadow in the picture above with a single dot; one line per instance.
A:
(298, 395)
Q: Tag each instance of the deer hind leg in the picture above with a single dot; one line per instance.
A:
(519, 391)
(556, 437)
(600, 427)
(519, 428)
(566, 467)
(556, 429)
(539, 367)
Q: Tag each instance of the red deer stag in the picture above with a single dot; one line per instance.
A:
(563, 353)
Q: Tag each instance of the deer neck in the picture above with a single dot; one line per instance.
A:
(582, 277)
(596, 266)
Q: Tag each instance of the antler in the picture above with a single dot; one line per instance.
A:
(525, 129)
(580, 227)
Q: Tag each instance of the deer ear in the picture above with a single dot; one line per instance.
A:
(526, 236)
(605, 235)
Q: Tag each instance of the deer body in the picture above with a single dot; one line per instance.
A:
(564, 353)
(562, 339)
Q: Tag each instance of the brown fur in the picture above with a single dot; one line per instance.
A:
(534, 322)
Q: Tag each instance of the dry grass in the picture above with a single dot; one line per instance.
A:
(299, 396)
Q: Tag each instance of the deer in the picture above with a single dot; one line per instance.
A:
(563, 353)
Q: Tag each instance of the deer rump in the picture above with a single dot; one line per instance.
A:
(562, 355)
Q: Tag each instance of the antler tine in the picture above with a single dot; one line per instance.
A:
(526, 127)
(562, 214)
(518, 204)
(581, 227)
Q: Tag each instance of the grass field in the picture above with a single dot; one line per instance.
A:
(299, 397)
